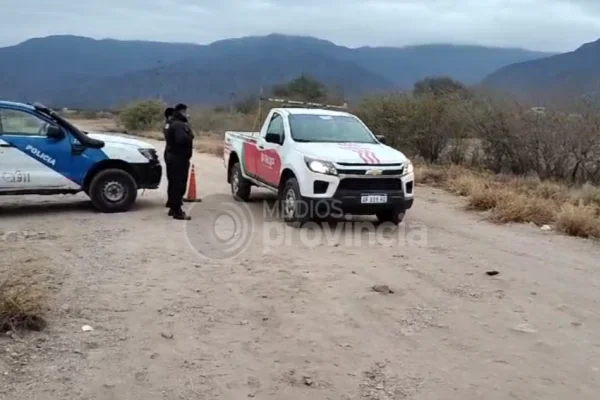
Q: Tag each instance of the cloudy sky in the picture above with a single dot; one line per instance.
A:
(550, 25)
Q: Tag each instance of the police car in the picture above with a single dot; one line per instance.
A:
(44, 154)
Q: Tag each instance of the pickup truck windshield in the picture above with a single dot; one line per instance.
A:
(328, 128)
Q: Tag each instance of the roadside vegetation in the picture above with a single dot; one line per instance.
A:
(516, 162)
(23, 298)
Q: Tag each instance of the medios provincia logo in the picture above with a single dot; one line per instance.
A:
(222, 228)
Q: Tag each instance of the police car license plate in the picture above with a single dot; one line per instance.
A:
(373, 199)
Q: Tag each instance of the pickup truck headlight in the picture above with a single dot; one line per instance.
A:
(409, 168)
(320, 167)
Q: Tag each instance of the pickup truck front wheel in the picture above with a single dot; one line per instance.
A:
(112, 191)
(395, 216)
(240, 186)
(295, 213)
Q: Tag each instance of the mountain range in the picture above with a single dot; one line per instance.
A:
(80, 72)
(560, 77)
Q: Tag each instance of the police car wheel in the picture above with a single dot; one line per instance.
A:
(240, 187)
(113, 190)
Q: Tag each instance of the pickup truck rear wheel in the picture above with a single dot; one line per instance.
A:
(294, 214)
(395, 216)
(113, 190)
(240, 186)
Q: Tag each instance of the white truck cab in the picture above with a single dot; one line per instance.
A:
(42, 153)
(320, 161)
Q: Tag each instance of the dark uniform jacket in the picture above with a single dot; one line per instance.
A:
(179, 138)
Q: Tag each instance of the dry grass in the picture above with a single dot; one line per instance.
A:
(207, 120)
(22, 302)
(574, 211)
(516, 207)
(97, 125)
(213, 144)
(208, 143)
(150, 135)
(204, 122)
(484, 198)
(579, 220)
(205, 142)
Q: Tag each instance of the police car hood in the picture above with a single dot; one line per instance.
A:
(120, 140)
(352, 153)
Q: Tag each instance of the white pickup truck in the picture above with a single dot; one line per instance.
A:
(320, 162)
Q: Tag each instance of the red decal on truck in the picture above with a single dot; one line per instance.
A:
(269, 167)
(263, 164)
(367, 155)
(250, 155)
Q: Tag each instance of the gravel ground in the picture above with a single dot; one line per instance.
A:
(293, 314)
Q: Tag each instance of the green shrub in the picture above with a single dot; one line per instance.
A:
(142, 115)
(204, 120)
(303, 88)
(427, 125)
(452, 126)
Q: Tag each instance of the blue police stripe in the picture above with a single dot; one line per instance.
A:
(73, 167)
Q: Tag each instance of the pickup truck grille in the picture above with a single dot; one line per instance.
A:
(365, 184)
(364, 171)
(369, 165)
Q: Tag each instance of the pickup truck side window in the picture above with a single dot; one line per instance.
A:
(21, 123)
(276, 127)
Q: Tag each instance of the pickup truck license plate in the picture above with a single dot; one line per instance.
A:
(373, 199)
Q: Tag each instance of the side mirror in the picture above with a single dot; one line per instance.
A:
(54, 132)
(273, 138)
(381, 139)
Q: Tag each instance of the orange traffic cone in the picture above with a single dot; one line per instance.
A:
(191, 194)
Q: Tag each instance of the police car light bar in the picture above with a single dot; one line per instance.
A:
(305, 104)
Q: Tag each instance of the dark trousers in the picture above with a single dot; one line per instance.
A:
(168, 180)
(177, 177)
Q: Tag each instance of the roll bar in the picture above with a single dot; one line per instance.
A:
(303, 103)
(292, 103)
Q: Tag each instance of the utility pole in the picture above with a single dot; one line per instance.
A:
(231, 101)
(159, 80)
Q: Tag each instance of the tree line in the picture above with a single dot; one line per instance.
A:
(439, 121)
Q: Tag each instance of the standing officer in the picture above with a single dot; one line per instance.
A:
(178, 152)
(168, 115)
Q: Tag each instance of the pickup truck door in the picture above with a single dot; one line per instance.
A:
(30, 160)
(268, 160)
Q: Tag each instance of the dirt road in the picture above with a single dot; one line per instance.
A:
(296, 318)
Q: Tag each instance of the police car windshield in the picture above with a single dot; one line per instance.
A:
(76, 132)
(328, 128)
(56, 117)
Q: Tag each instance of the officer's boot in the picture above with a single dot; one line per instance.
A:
(181, 215)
